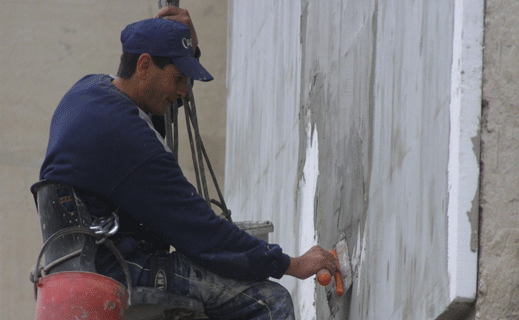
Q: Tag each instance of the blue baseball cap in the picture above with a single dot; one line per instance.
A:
(165, 38)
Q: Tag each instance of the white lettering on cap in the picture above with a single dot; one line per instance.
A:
(187, 42)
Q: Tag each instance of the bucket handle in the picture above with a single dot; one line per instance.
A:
(82, 230)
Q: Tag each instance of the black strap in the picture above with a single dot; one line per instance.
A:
(161, 272)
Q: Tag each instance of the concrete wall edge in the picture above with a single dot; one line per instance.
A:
(463, 167)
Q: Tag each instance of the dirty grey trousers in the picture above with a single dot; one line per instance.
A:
(223, 298)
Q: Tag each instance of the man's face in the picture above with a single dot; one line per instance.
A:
(162, 88)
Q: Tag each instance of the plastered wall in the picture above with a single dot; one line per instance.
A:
(377, 155)
(46, 46)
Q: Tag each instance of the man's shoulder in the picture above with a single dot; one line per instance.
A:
(98, 134)
(94, 85)
(95, 95)
(90, 81)
(95, 110)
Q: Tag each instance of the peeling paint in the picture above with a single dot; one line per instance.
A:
(109, 305)
(473, 214)
(359, 257)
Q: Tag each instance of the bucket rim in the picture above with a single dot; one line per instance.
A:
(80, 272)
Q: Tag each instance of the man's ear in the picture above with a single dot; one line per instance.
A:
(144, 65)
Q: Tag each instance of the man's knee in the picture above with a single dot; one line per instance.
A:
(279, 300)
(281, 293)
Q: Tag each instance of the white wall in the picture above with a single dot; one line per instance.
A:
(264, 66)
(377, 81)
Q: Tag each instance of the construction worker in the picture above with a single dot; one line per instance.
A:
(102, 143)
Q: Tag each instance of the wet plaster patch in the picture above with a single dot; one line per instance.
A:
(308, 236)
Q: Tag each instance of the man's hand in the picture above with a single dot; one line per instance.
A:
(182, 16)
(311, 262)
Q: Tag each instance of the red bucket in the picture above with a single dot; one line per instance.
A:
(80, 295)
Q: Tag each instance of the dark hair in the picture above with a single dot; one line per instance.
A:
(128, 64)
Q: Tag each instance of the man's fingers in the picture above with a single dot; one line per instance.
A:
(331, 262)
(324, 258)
(182, 16)
(175, 13)
(171, 11)
(312, 262)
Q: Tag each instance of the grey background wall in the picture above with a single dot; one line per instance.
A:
(381, 86)
(45, 46)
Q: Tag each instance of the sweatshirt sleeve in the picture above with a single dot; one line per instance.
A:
(158, 195)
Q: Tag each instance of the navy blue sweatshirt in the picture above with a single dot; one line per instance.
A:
(101, 143)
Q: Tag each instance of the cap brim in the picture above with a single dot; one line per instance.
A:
(191, 68)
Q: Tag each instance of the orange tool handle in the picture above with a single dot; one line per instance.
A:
(338, 277)
(324, 277)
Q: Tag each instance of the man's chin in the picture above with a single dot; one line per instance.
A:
(162, 110)
(159, 111)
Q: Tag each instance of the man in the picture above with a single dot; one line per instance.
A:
(102, 142)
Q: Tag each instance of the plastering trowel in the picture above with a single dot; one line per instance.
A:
(343, 276)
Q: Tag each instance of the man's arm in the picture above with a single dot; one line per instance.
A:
(157, 195)
(314, 259)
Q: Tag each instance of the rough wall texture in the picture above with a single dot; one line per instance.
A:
(498, 290)
(45, 46)
(374, 104)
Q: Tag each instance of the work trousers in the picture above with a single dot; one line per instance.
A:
(223, 298)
